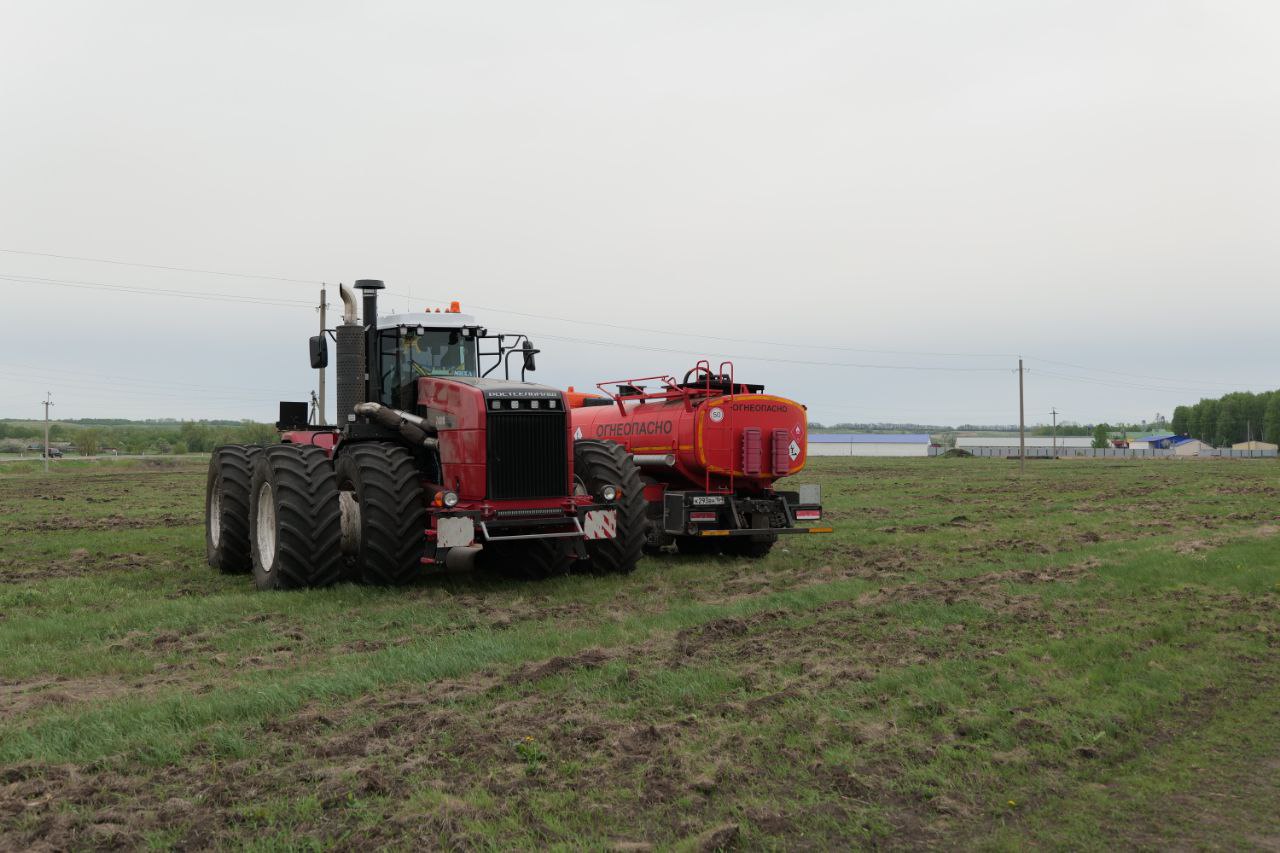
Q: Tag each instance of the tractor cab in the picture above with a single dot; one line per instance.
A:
(382, 359)
(413, 346)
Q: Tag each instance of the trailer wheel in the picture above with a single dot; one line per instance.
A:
(226, 508)
(756, 549)
(293, 510)
(600, 463)
(384, 513)
(699, 546)
(744, 547)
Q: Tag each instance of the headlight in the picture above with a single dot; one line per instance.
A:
(449, 499)
(609, 493)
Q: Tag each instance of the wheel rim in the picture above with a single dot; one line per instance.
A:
(215, 514)
(266, 527)
(350, 509)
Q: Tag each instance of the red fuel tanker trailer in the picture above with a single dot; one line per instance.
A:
(709, 449)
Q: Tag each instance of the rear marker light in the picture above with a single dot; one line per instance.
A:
(808, 515)
(702, 516)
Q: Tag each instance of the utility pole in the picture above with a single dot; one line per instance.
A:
(47, 402)
(1054, 412)
(320, 406)
(1022, 424)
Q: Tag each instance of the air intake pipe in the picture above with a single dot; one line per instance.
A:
(369, 288)
(352, 345)
(412, 428)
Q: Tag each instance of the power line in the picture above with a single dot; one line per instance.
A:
(770, 359)
(1186, 389)
(80, 374)
(706, 337)
(115, 389)
(646, 330)
(1135, 375)
(159, 266)
(158, 291)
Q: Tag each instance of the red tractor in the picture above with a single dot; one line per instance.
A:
(433, 462)
(710, 450)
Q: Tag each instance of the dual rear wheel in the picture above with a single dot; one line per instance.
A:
(273, 512)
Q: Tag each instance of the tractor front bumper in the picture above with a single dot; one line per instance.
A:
(461, 528)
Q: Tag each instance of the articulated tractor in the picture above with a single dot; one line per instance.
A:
(437, 463)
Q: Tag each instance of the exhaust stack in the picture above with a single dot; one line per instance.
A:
(370, 287)
(349, 315)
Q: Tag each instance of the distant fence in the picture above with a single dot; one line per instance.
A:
(1113, 453)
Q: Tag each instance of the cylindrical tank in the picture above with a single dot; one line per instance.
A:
(757, 437)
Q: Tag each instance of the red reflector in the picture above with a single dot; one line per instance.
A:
(781, 452)
(751, 451)
(702, 516)
(808, 514)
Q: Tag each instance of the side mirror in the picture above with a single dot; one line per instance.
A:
(319, 352)
(529, 351)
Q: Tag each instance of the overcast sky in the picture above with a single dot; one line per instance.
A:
(925, 185)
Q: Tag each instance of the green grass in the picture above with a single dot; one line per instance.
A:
(1082, 658)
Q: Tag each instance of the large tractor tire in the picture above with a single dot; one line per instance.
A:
(600, 463)
(293, 508)
(384, 514)
(226, 508)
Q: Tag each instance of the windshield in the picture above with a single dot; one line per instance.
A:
(437, 353)
(407, 356)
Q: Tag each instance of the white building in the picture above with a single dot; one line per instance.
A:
(867, 444)
(968, 442)
(1191, 447)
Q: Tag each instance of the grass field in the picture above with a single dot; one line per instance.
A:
(1086, 657)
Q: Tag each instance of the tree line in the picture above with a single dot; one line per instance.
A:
(1232, 418)
(180, 437)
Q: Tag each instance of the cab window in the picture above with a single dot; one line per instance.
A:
(407, 356)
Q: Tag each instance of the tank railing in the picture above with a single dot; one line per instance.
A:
(669, 390)
(728, 415)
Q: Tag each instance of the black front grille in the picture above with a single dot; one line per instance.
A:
(527, 455)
